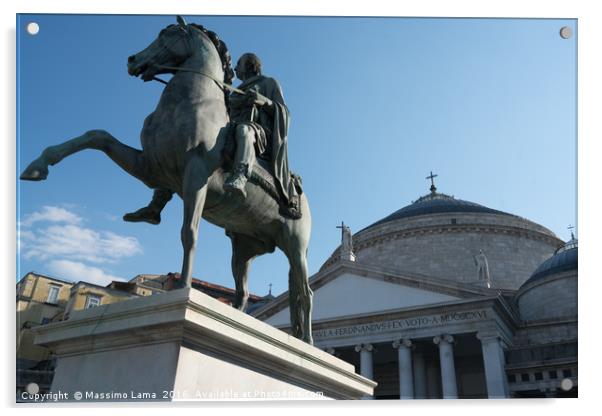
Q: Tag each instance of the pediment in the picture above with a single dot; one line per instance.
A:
(352, 294)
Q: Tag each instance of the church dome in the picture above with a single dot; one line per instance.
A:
(436, 203)
(565, 259)
(440, 236)
(551, 291)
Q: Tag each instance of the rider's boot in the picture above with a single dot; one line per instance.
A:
(151, 213)
(235, 184)
(292, 209)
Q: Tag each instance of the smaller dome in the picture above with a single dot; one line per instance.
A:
(551, 291)
(565, 259)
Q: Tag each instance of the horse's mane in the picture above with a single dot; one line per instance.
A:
(224, 55)
(222, 50)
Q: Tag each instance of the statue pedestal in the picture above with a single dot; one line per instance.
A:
(185, 345)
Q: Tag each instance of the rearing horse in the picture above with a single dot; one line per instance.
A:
(182, 143)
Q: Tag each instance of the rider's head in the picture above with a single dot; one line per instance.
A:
(248, 65)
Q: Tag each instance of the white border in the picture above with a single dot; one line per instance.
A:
(589, 32)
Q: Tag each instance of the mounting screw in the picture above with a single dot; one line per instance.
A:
(33, 28)
(566, 32)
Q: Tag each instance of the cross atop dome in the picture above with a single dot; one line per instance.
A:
(571, 228)
(572, 243)
(432, 178)
(343, 227)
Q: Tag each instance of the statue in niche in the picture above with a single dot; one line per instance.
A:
(346, 242)
(480, 261)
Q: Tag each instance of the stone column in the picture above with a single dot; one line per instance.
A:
(419, 376)
(366, 366)
(448, 369)
(494, 363)
(406, 382)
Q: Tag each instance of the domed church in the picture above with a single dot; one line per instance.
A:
(446, 298)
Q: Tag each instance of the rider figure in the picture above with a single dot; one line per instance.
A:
(259, 120)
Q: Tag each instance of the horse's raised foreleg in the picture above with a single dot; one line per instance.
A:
(244, 250)
(193, 195)
(128, 158)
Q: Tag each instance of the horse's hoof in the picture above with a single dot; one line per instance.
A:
(239, 307)
(179, 284)
(35, 172)
(143, 215)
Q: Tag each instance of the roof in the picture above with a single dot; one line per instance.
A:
(437, 203)
(564, 260)
(198, 284)
(107, 288)
(45, 277)
(219, 288)
(445, 286)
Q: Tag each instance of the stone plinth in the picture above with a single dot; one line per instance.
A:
(185, 345)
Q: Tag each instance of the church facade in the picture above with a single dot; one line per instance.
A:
(446, 298)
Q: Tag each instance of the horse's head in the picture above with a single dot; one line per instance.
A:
(172, 47)
(175, 44)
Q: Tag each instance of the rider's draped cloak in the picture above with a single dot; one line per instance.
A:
(273, 146)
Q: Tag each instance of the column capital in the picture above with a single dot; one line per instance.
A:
(494, 364)
(448, 369)
(404, 342)
(443, 338)
(364, 347)
(488, 336)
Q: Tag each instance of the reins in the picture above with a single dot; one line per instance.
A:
(195, 71)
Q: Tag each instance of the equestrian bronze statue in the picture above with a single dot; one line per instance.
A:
(222, 150)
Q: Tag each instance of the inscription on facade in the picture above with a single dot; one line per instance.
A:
(401, 324)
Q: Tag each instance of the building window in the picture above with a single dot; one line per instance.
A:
(567, 373)
(511, 378)
(538, 376)
(524, 377)
(553, 374)
(454, 221)
(92, 301)
(53, 294)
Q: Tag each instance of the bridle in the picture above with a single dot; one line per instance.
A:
(221, 84)
(186, 36)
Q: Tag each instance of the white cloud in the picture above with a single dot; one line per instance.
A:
(116, 246)
(78, 271)
(51, 214)
(78, 243)
(56, 235)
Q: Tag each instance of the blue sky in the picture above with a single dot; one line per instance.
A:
(376, 103)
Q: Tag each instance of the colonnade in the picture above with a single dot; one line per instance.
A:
(413, 372)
